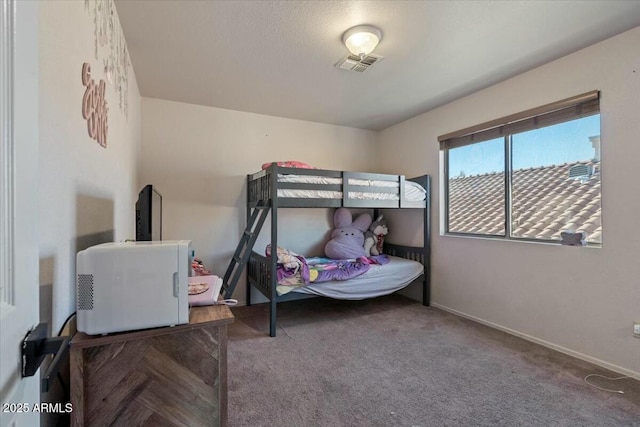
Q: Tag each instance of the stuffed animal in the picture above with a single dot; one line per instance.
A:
(347, 239)
(374, 237)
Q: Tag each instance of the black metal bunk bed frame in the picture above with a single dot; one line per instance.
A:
(262, 197)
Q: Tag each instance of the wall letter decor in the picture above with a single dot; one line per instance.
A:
(110, 43)
(94, 106)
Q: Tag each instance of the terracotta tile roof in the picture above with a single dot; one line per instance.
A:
(545, 202)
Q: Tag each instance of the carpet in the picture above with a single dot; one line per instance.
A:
(390, 361)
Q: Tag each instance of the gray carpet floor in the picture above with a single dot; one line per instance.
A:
(390, 361)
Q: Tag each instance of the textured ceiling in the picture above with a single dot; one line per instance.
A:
(277, 57)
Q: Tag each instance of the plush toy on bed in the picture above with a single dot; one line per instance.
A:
(347, 239)
(374, 237)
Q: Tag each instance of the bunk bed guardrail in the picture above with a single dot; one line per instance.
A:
(265, 185)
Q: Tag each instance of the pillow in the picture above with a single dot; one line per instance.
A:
(290, 164)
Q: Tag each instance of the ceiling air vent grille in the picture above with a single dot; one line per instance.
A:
(357, 64)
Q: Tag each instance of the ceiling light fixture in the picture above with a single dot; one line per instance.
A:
(361, 40)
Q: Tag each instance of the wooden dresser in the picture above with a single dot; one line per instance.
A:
(163, 376)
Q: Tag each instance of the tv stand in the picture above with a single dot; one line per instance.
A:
(163, 376)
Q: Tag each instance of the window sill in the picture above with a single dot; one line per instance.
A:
(517, 240)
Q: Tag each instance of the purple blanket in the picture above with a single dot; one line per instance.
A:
(342, 269)
(295, 270)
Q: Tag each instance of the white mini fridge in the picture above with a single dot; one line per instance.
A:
(132, 285)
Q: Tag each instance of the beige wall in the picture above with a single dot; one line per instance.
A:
(579, 300)
(87, 193)
(198, 158)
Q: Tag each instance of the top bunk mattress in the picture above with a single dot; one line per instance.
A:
(377, 281)
(413, 191)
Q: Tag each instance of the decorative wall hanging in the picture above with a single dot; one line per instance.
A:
(107, 32)
(94, 106)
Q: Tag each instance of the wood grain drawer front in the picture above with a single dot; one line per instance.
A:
(176, 379)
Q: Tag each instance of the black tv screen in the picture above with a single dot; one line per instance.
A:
(149, 214)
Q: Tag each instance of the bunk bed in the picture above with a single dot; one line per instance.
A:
(277, 187)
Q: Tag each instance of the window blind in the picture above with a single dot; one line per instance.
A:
(565, 110)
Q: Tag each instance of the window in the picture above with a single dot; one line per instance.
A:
(528, 176)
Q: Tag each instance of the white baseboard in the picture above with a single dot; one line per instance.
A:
(577, 355)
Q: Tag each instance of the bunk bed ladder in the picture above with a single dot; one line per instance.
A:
(241, 255)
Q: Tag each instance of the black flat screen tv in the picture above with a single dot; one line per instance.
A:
(149, 214)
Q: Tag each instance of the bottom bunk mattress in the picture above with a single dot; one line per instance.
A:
(378, 280)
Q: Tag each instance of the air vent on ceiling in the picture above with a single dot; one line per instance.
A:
(580, 172)
(357, 64)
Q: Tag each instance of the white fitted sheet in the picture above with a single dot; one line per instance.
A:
(377, 281)
(413, 191)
